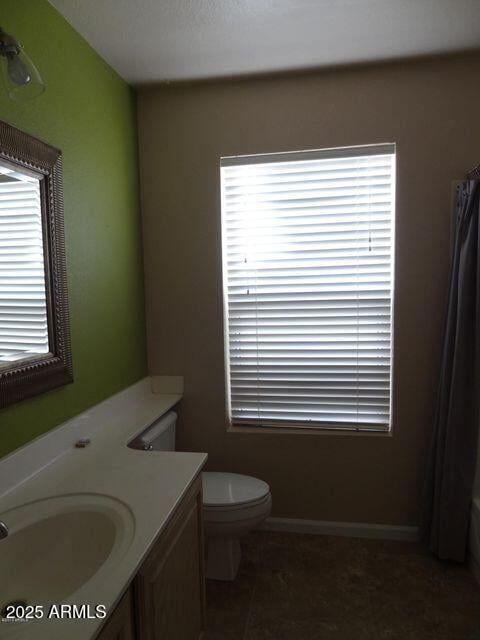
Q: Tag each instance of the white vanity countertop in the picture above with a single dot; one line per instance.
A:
(150, 484)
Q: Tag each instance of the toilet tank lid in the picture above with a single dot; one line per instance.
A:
(221, 489)
(161, 425)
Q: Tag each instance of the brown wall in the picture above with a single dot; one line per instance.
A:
(430, 109)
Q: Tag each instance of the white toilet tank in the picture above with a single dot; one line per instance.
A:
(160, 436)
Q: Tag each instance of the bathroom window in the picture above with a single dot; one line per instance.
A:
(308, 283)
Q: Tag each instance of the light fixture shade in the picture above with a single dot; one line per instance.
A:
(21, 77)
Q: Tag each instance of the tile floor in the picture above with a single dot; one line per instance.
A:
(305, 587)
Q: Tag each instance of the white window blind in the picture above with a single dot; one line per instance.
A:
(23, 309)
(308, 263)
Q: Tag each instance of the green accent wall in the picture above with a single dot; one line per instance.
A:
(88, 112)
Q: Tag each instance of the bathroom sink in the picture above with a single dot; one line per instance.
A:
(56, 545)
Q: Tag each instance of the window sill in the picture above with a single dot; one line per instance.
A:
(309, 431)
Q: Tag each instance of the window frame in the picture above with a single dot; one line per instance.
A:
(308, 427)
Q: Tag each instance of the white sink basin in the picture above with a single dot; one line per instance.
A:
(56, 545)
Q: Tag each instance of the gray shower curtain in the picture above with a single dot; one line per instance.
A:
(453, 447)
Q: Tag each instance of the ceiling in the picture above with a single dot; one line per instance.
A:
(159, 40)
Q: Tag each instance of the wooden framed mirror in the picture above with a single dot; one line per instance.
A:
(35, 350)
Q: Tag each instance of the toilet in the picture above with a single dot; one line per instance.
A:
(233, 504)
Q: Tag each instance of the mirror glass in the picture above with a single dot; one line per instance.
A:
(23, 297)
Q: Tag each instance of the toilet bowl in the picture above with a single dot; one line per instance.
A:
(233, 504)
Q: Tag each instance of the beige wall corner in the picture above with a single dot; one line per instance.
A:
(167, 384)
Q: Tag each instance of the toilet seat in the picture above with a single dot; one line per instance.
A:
(227, 491)
(244, 506)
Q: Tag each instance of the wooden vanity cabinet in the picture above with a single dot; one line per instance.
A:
(169, 588)
(120, 625)
(168, 591)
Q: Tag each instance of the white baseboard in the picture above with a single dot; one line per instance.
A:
(349, 529)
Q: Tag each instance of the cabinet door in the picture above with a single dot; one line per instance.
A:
(119, 626)
(169, 588)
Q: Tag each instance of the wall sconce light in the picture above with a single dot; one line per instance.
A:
(20, 76)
